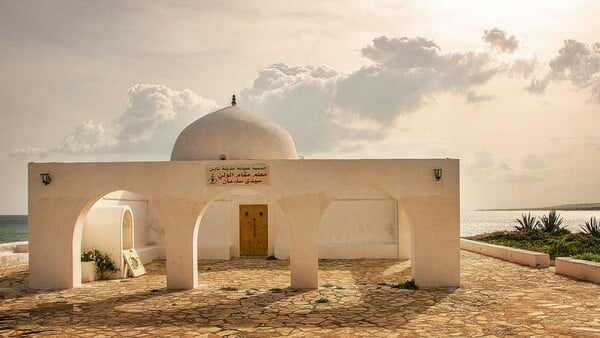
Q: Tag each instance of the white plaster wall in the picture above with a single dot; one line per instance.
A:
(303, 189)
(215, 232)
(282, 237)
(103, 230)
(359, 229)
(148, 231)
(358, 222)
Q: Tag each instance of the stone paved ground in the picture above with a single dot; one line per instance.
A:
(250, 298)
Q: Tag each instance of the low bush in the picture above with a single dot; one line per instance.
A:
(559, 243)
(408, 285)
(588, 256)
(104, 265)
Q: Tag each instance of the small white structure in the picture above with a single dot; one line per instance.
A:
(109, 229)
(235, 187)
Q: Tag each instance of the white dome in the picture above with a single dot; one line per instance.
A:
(233, 134)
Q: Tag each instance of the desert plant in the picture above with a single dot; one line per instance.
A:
(409, 285)
(550, 223)
(526, 223)
(104, 265)
(592, 227)
(322, 300)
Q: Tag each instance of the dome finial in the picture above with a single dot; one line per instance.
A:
(233, 103)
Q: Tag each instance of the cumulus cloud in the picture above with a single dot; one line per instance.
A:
(87, 137)
(500, 40)
(155, 115)
(301, 100)
(324, 108)
(152, 120)
(576, 62)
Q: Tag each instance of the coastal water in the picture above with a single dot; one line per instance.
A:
(481, 222)
(14, 228)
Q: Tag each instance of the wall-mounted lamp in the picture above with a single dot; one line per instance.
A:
(46, 179)
(437, 173)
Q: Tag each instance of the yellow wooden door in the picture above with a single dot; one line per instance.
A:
(253, 230)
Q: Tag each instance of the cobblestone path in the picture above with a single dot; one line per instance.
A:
(250, 298)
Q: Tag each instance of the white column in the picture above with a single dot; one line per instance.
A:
(179, 221)
(303, 213)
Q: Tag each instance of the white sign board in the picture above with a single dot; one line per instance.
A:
(237, 174)
(133, 263)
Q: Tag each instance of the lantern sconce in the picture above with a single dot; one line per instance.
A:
(437, 173)
(46, 178)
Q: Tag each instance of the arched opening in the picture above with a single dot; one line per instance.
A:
(221, 226)
(121, 225)
(370, 228)
(242, 228)
(359, 228)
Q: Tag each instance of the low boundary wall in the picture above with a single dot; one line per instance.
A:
(519, 256)
(578, 268)
(14, 254)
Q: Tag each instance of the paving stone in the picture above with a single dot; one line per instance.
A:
(496, 299)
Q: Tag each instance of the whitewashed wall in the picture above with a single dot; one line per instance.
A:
(359, 229)
(103, 230)
(216, 233)
(148, 231)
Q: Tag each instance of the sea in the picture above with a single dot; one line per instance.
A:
(13, 228)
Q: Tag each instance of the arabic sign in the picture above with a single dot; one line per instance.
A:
(237, 174)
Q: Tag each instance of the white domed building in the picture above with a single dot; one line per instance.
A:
(233, 134)
(235, 187)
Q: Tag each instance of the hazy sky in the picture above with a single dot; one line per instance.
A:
(512, 89)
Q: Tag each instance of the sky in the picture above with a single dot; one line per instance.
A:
(511, 88)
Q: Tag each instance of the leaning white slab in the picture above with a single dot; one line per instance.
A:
(519, 256)
(578, 268)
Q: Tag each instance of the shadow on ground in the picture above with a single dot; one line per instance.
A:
(361, 297)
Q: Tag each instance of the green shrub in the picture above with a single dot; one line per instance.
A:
(592, 227)
(322, 300)
(409, 285)
(588, 256)
(104, 265)
(561, 249)
(87, 255)
(559, 243)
